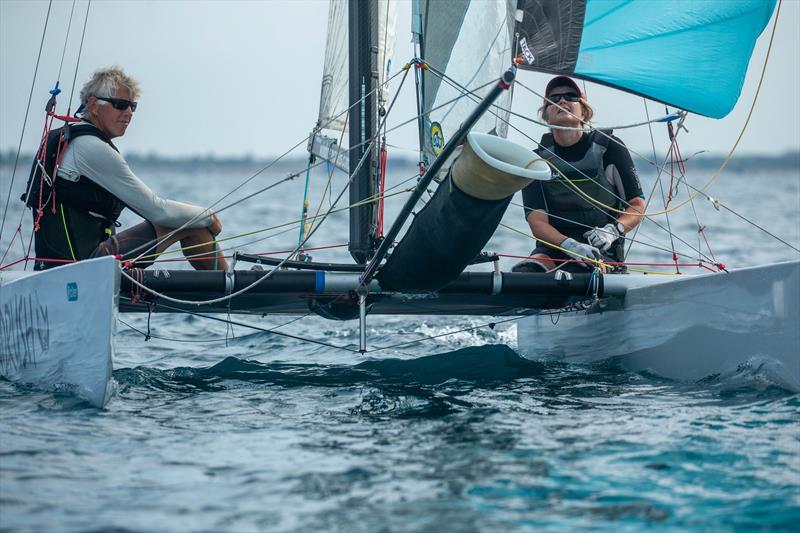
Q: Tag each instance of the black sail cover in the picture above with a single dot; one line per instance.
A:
(445, 236)
(549, 34)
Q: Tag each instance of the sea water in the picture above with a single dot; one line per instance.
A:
(217, 428)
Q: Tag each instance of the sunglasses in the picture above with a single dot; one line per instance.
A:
(569, 97)
(120, 104)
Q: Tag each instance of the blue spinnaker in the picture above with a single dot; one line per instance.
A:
(691, 54)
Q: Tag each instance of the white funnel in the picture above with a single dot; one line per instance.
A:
(492, 168)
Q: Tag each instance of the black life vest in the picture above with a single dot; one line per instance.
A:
(85, 213)
(570, 212)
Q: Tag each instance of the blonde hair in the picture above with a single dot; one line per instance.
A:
(104, 82)
(588, 111)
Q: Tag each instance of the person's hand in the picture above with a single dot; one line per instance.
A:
(580, 251)
(603, 238)
(216, 226)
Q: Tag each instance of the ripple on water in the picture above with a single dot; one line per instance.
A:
(473, 439)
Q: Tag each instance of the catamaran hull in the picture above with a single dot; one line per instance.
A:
(687, 329)
(57, 327)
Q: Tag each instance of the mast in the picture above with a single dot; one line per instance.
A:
(419, 79)
(363, 53)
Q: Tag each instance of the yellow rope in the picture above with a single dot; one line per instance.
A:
(270, 228)
(66, 233)
(330, 174)
(599, 264)
(596, 262)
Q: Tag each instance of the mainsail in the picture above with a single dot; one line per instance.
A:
(467, 46)
(691, 55)
(335, 78)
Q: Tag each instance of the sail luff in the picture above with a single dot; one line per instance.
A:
(334, 78)
(471, 44)
(359, 48)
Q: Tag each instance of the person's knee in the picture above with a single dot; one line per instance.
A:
(161, 230)
(544, 260)
(538, 263)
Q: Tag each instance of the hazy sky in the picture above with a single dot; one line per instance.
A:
(236, 78)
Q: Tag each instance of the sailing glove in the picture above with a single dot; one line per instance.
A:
(603, 238)
(580, 251)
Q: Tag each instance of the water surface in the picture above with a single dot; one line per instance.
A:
(213, 429)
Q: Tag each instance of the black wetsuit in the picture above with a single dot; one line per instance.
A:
(596, 156)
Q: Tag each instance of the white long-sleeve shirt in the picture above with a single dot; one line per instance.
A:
(89, 156)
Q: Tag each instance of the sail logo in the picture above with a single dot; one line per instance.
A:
(526, 51)
(72, 291)
(437, 138)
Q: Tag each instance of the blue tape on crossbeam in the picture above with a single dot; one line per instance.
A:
(319, 282)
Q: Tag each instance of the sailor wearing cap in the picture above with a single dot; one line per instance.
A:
(594, 198)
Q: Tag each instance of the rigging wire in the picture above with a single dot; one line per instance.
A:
(717, 203)
(275, 269)
(446, 103)
(729, 156)
(54, 92)
(289, 225)
(66, 39)
(629, 236)
(661, 187)
(660, 168)
(613, 192)
(80, 54)
(230, 296)
(695, 189)
(209, 209)
(149, 335)
(329, 181)
(25, 121)
(599, 262)
(256, 328)
(698, 192)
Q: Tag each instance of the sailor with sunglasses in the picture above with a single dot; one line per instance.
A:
(571, 230)
(77, 213)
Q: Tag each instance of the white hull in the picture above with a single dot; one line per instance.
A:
(57, 327)
(687, 329)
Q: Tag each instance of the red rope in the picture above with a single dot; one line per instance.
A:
(18, 231)
(41, 157)
(42, 259)
(384, 157)
(303, 249)
(41, 153)
(136, 291)
(14, 263)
